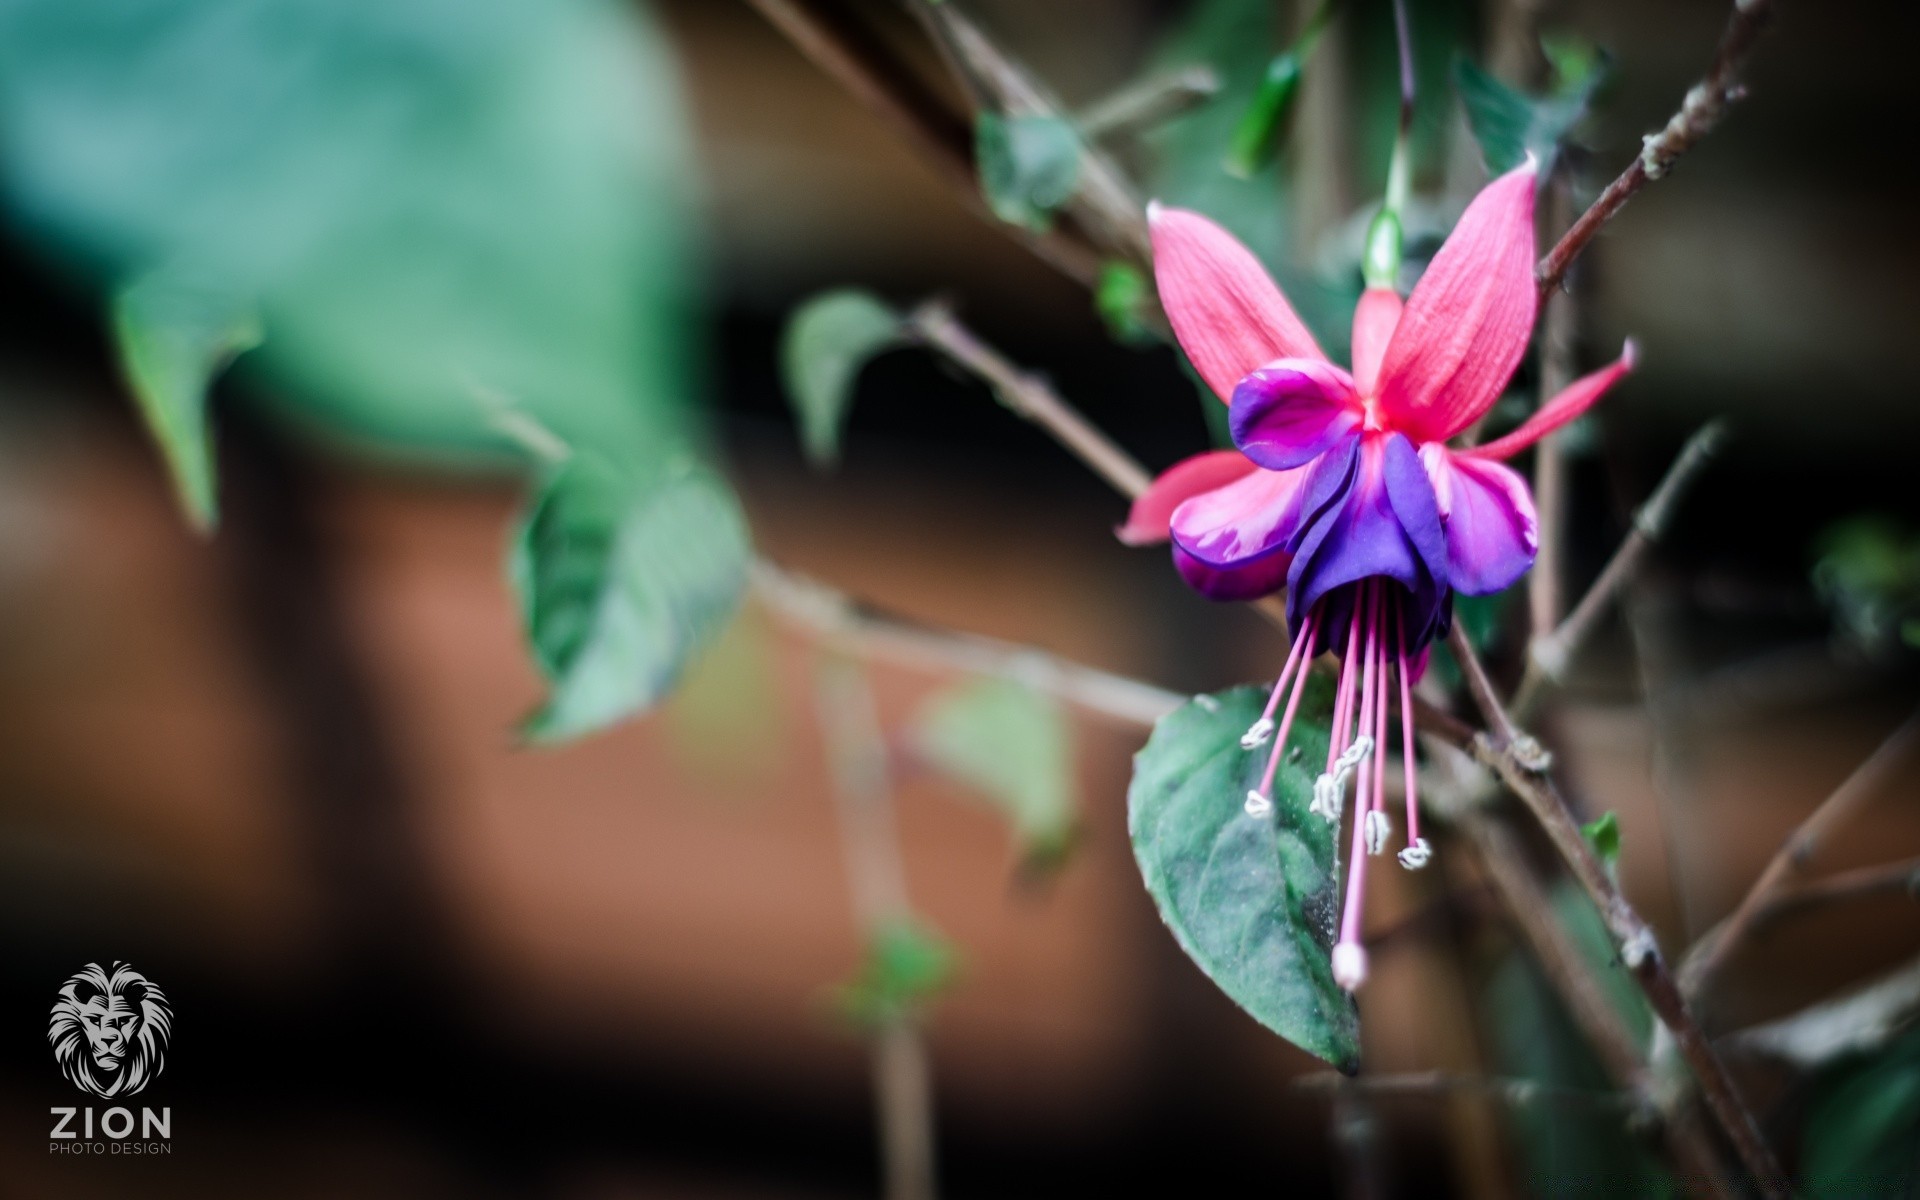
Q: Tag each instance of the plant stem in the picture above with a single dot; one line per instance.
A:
(1706, 103)
(1559, 322)
(857, 753)
(1149, 102)
(1521, 1093)
(1711, 951)
(1861, 1021)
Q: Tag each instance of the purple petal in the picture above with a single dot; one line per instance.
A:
(1254, 578)
(1248, 518)
(1492, 532)
(1289, 411)
(1384, 522)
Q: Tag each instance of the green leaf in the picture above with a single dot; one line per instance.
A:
(1603, 834)
(827, 342)
(1252, 900)
(1029, 166)
(1257, 136)
(1863, 1128)
(622, 581)
(173, 338)
(1010, 743)
(1121, 297)
(906, 965)
(1509, 125)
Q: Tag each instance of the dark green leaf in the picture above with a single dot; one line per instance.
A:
(1122, 297)
(622, 581)
(1510, 125)
(1011, 744)
(1863, 1128)
(1868, 573)
(1029, 166)
(827, 342)
(1569, 1147)
(173, 338)
(1257, 136)
(1252, 900)
(906, 965)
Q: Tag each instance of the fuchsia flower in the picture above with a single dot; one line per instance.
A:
(1343, 489)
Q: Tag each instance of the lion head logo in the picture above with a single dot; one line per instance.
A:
(109, 1030)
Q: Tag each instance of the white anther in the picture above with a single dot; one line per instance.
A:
(1326, 799)
(1258, 805)
(1256, 736)
(1379, 829)
(1352, 757)
(1350, 965)
(1330, 787)
(1417, 855)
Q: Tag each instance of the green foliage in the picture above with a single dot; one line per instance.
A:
(1509, 125)
(622, 581)
(906, 965)
(1029, 166)
(428, 200)
(1863, 1128)
(1263, 124)
(827, 342)
(1569, 1148)
(173, 338)
(1603, 834)
(1868, 573)
(1012, 744)
(1252, 900)
(1121, 297)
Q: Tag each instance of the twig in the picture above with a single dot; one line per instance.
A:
(1840, 888)
(1860, 1021)
(857, 754)
(1029, 396)
(1521, 1093)
(1550, 656)
(1150, 102)
(1707, 955)
(878, 635)
(940, 134)
(1558, 325)
(1705, 104)
(1632, 936)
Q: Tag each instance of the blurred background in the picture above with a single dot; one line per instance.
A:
(276, 768)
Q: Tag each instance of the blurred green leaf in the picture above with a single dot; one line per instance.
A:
(1509, 125)
(1252, 900)
(429, 200)
(1603, 834)
(906, 965)
(1867, 570)
(1579, 66)
(1257, 136)
(622, 581)
(827, 342)
(1011, 744)
(1569, 1148)
(1122, 297)
(1863, 1128)
(173, 339)
(1029, 166)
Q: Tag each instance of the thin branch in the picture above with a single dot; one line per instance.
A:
(940, 134)
(1028, 395)
(1632, 936)
(1549, 657)
(1858, 1022)
(1559, 322)
(881, 636)
(1712, 950)
(1843, 887)
(1150, 102)
(1706, 102)
(1520, 1093)
(857, 754)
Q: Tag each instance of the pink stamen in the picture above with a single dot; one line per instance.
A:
(1349, 957)
(1406, 735)
(1300, 643)
(1380, 704)
(1293, 706)
(1344, 702)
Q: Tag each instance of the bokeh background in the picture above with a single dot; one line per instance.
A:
(276, 769)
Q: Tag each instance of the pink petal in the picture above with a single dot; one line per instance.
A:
(1246, 519)
(1228, 315)
(1374, 320)
(1465, 326)
(1487, 511)
(1153, 509)
(1577, 398)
